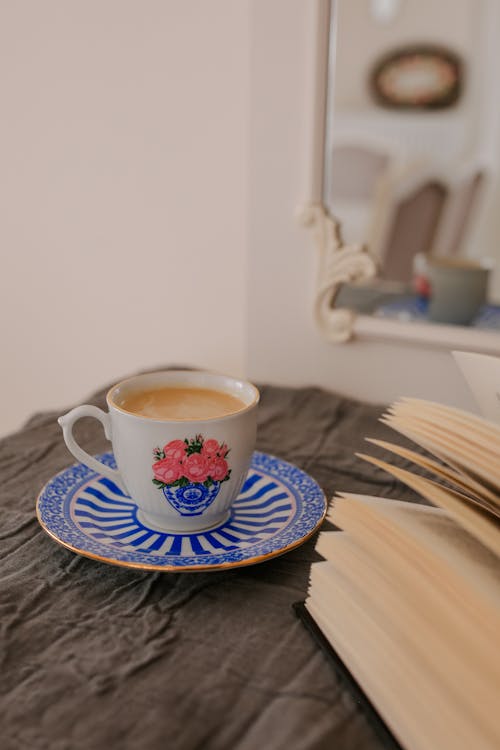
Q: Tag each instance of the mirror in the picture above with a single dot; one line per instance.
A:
(412, 148)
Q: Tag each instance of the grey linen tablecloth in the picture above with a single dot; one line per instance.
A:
(96, 656)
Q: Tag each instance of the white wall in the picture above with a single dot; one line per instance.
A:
(123, 162)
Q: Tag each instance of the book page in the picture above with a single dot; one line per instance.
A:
(482, 374)
(448, 415)
(412, 693)
(460, 453)
(455, 435)
(477, 492)
(481, 524)
(439, 631)
(429, 534)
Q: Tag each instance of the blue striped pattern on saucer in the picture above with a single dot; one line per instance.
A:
(278, 508)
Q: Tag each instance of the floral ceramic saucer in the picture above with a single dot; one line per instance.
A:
(278, 508)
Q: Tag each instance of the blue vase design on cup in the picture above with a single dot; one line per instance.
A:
(190, 472)
(191, 499)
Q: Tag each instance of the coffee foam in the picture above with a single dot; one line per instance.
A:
(180, 403)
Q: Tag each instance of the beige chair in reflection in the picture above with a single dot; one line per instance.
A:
(461, 212)
(385, 201)
(429, 214)
(413, 228)
(398, 207)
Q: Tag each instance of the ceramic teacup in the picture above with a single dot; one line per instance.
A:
(458, 288)
(182, 472)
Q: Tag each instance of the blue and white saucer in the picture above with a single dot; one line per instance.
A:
(278, 508)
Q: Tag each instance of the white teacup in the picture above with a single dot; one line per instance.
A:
(458, 287)
(183, 472)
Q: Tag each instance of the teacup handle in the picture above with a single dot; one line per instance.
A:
(68, 420)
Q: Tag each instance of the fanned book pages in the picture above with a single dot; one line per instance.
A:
(408, 594)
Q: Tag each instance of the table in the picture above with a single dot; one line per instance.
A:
(96, 656)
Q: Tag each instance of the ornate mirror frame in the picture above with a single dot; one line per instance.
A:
(339, 263)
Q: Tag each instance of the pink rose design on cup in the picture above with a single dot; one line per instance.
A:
(218, 468)
(210, 448)
(167, 470)
(195, 468)
(189, 472)
(176, 450)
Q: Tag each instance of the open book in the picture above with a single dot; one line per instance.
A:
(408, 595)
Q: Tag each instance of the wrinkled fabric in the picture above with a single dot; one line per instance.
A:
(96, 656)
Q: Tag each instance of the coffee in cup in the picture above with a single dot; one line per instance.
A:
(180, 402)
(182, 440)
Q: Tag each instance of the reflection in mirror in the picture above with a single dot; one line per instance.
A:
(412, 154)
